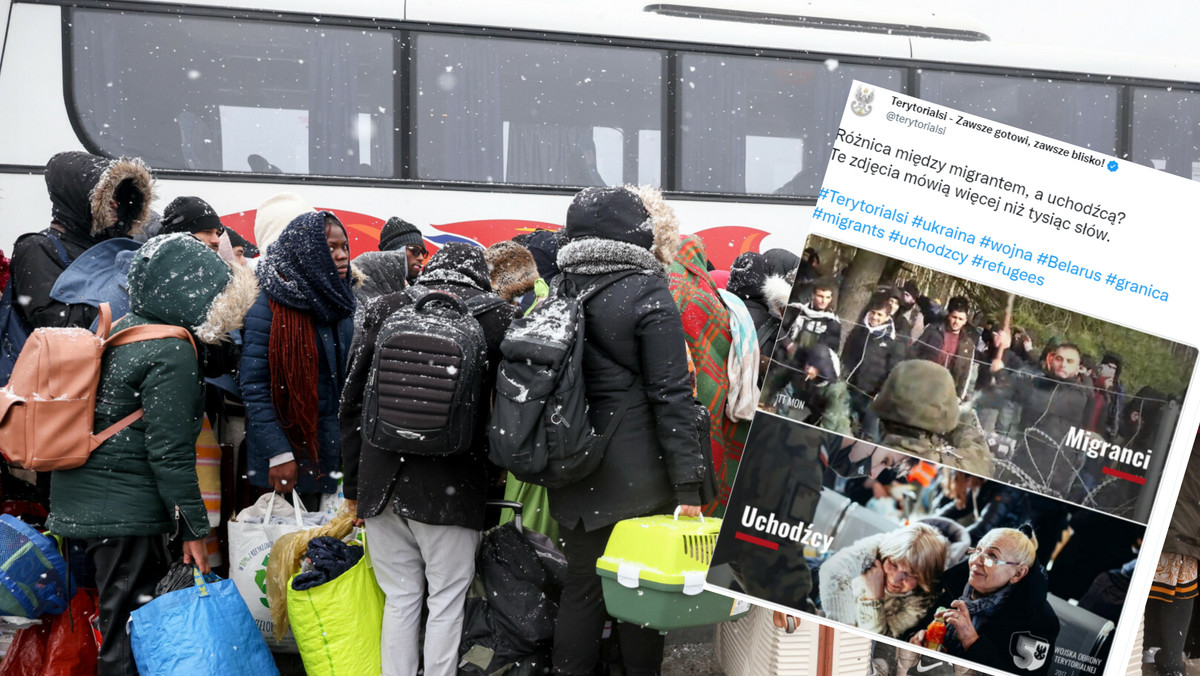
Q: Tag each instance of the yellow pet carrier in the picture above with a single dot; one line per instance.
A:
(653, 573)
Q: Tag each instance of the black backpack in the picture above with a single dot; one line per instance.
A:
(425, 389)
(539, 428)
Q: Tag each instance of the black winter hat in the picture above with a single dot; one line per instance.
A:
(399, 233)
(190, 215)
(543, 244)
(609, 213)
(783, 262)
(747, 275)
(236, 240)
(457, 262)
(911, 288)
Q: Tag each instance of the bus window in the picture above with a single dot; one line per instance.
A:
(1166, 130)
(755, 125)
(1076, 112)
(519, 111)
(186, 92)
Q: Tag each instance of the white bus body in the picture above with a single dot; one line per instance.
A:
(63, 68)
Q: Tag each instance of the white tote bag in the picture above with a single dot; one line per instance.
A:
(249, 550)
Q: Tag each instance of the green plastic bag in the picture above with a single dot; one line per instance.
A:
(338, 624)
(535, 514)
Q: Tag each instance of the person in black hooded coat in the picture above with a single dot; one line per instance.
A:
(754, 279)
(634, 351)
(432, 528)
(92, 199)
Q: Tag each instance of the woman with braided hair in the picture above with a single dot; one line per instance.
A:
(294, 359)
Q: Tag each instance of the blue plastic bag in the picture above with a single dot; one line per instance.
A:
(202, 630)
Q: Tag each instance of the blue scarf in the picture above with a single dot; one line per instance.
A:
(298, 272)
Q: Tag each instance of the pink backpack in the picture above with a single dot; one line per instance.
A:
(48, 407)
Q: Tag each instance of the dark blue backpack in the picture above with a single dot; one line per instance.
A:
(14, 329)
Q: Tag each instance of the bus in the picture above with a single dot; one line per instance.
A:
(478, 121)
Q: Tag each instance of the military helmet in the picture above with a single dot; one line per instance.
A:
(920, 394)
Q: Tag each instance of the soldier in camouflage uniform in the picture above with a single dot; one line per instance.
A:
(919, 411)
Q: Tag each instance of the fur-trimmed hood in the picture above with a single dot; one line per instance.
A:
(512, 268)
(664, 223)
(83, 187)
(776, 291)
(610, 229)
(229, 308)
(177, 280)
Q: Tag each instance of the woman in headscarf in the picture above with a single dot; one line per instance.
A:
(709, 337)
(297, 342)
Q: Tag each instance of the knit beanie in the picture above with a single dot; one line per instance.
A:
(747, 275)
(236, 240)
(189, 215)
(399, 233)
(512, 267)
(543, 244)
(274, 214)
(609, 213)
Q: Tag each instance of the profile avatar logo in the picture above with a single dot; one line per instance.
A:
(863, 97)
(1028, 651)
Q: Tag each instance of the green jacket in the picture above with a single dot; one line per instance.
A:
(142, 481)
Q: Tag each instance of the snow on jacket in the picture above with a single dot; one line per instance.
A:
(383, 272)
(299, 273)
(632, 330)
(99, 275)
(842, 593)
(81, 188)
(142, 481)
(264, 437)
(437, 490)
(765, 296)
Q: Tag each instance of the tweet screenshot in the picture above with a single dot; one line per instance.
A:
(983, 409)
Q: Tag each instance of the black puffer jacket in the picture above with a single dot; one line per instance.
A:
(443, 491)
(632, 330)
(868, 357)
(82, 188)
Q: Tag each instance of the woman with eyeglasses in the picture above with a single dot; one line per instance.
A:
(996, 611)
(884, 583)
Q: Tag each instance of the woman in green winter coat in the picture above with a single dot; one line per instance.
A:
(139, 487)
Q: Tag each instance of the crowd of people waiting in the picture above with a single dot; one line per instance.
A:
(1019, 403)
(284, 327)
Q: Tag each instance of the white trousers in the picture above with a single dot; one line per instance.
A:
(408, 555)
